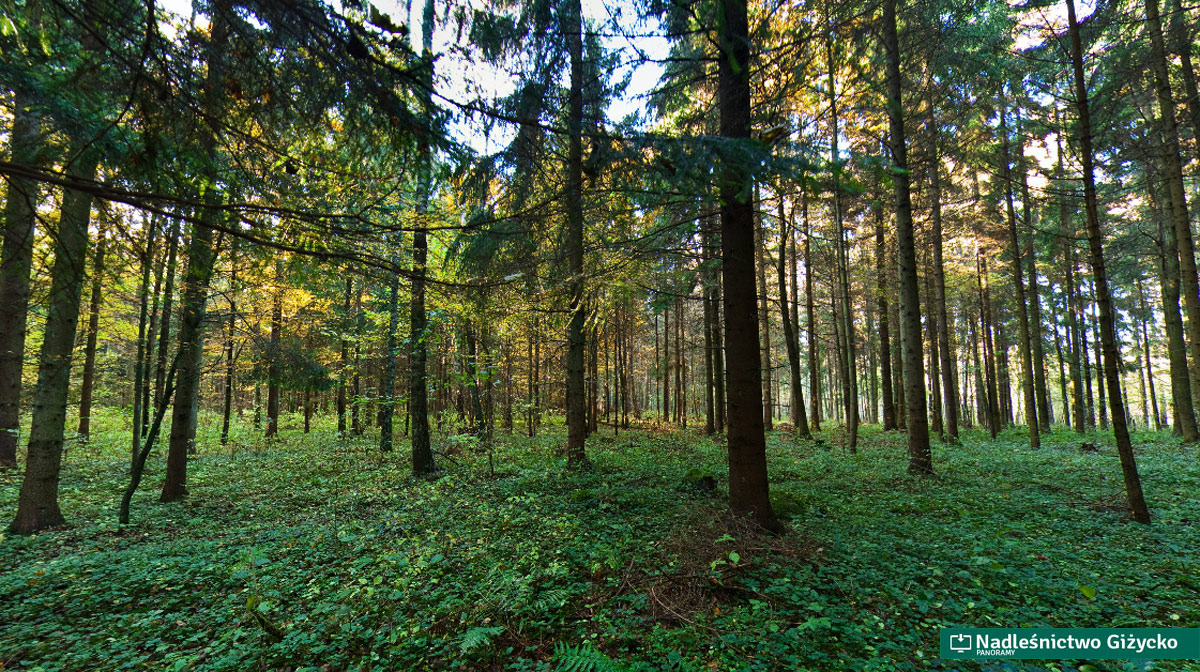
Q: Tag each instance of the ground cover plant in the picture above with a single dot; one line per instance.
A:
(316, 553)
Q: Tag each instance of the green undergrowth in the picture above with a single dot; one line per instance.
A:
(314, 553)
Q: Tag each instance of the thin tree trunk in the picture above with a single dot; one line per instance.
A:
(1027, 383)
(847, 345)
(345, 360)
(87, 385)
(227, 410)
(140, 380)
(799, 421)
(814, 362)
(885, 343)
(944, 349)
(576, 410)
(1146, 353)
(388, 393)
(273, 369)
(418, 390)
(764, 321)
(920, 456)
(1133, 484)
(164, 326)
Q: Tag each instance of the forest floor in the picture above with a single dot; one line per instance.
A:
(318, 554)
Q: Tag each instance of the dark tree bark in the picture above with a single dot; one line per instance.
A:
(1133, 483)
(87, 384)
(764, 321)
(1184, 416)
(1146, 354)
(885, 342)
(37, 503)
(418, 389)
(992, 406)
(944, 349)
(847, 346)
(201, 259)
(273, 369)
(16, 262)
(814, 362)
(799, 420)
(748, 486)
(576, 392)
(140, 368)
(164, 327)
(1027, 383)
(1036, 332)
(193, 304)
(920, 456)
(388, 393)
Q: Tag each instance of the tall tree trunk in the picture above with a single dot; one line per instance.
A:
(1146, 354)
(164, 326)
(1182, 45)
(273, 369)
(16, 263)
(201, 258)
(989, 347)
(764, 320)
(87, 385)
(140, 368)
(799, 421)
(1133, 484)
(1036, 333)
(1176, 198)
(1184, 414)
(920, 456)
(345, 359)
(747, 450)
(37, 503)
(576, 410)
(885, 343)
(949, 377)
(231, 332)
(814, 362)
(1027, 383)
(388, 393)
(418, 390)
(847, 347)
(480, 425)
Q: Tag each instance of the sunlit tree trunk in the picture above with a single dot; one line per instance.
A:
(1027, 383)
(230, 362)
(87, 384)
(799, 419)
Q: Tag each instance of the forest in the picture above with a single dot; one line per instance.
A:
(562, 335)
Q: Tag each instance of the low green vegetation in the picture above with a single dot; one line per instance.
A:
(317, 554)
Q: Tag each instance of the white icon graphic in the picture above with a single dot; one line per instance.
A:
(960, 643)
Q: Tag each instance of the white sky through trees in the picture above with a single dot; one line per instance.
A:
(460, 80)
